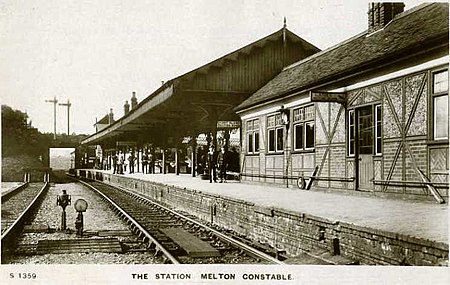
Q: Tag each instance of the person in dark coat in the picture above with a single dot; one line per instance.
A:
(212, 164)
(131, 159)
(151, 163)
(222, 164)
(144, 163)
(114, 160)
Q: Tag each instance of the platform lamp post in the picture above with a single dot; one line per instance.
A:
(54, 101)
(68, 104)
(285, 119)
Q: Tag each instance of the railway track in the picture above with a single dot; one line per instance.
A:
(17, 208)
(174, 237)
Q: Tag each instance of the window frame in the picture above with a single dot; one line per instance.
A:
(279, 140)
(435, 95)
(378, 130)
(253, 132)
(350, 141)
(302, 120)
(277, 125)
(301, 136)
(305, 140)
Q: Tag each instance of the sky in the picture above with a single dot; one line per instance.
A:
(96, 53)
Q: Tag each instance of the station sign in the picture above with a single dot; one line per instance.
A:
(228, 124)
(328, 97)
(125, 143)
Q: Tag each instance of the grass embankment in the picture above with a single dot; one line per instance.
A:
(14, 168)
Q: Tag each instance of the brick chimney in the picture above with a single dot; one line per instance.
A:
(111, 116)
(380, 14)
(126, 108)
(133, 101)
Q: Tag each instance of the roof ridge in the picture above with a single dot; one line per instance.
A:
(360, 51)
(320, 53)
(410, 11)
(397, 17)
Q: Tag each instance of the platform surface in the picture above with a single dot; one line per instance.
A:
(423, 219)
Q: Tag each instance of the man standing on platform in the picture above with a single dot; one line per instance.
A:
(144, 163)
(131, 162)
(222, 164)
(120, 163)
(151, 162)
(212, 164)
(114, 160)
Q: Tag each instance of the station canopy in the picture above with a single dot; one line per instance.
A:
(195, 102)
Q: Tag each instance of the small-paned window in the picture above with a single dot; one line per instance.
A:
(275, 133)
(298, 136)
(440, 105)
(378, 129)
(303, 124)
(280, 139)
(271, 140)
(253, 136)
(351, 133)
(309, 135)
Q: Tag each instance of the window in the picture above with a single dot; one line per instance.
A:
(351, 133)
(279, 139)
(253, 136)
(298, 136)
(309, 134)
(275, 133)
(378, 129)
(440, 105)
(304, 128)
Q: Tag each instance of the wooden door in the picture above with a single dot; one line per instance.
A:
(365, 142)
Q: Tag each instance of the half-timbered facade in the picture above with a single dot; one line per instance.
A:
(369, 114)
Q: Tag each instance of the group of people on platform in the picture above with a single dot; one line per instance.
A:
(217, 161)
(120, 164)
(210, 163)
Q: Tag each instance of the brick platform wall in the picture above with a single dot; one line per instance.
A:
(289, 231)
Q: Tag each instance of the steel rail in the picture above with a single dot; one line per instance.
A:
(16, 227)
(231, 240)
(158, 246)
(11, 192)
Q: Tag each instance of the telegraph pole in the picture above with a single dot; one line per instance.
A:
(68, 104)
(54, 101)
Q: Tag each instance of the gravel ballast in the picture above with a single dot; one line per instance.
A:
(98, 217)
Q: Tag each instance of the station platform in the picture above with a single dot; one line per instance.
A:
(421, 219)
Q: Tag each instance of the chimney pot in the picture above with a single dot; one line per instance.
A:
(126, 108)
(111, 116)
(133, 101)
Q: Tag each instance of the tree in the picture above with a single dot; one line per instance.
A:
(18, 137)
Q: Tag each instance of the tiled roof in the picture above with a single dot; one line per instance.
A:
(419, 28)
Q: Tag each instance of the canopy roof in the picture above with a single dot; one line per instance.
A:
(195, 101)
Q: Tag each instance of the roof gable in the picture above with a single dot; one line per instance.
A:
(417, 28)
(104, 120)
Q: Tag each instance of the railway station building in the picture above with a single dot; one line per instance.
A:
(368, 114)
(189, 113)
